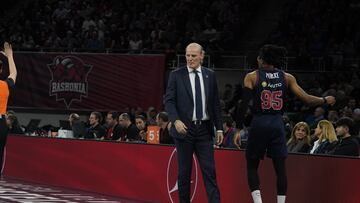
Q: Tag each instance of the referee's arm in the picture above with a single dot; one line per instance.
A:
(8, 52)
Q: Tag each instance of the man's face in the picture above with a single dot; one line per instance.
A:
(122, 122)
(318, 112)
(194, 56)
(92, 119)
(352, 103)
(341, 131)
(110, 121)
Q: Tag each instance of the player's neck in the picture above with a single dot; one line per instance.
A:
(267, 67)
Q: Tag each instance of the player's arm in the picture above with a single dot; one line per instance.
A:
(8, 52)
(305, 97)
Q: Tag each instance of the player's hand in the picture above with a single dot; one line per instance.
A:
(330, 100)
(237, 139)
(180, 127)
(7, 50)
(219, 138)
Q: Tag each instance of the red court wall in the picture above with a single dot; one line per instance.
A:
(148, 172)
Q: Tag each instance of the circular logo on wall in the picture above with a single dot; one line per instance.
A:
(172, 178)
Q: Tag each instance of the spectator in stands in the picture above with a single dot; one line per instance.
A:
(60, 13)
(130, 131)
(113, 128)
(287, 125)
(77, 126)
(356, 117)
(135, 42)
(53, 41)
(299, 141)
(348, 145)
(229, 132)
(162, 120)
(141, 124)
(13, 124)
(327, 138)
(151, 115)
(96, 130)
(352, 103)
(333, 116)
(228, 93)
(318, 116)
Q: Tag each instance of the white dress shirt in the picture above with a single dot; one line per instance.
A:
(203, 96)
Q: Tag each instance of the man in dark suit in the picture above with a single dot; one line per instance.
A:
(193, 105)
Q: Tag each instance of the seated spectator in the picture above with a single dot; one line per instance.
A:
(299, 141)
(151, 115)
(162, 120)
(348, 145)
(13, 124)
(78, 127)
(141, 124)
(229, 132)
(96, 130)
(318, 116)
(228, 93)
(327, 138)
(333, 116)
(130, 131)
(114, 129)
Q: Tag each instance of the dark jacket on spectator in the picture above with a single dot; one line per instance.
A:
(348, 147)
(116, 132)
(131, 133)
(326, 148)
(97, 131)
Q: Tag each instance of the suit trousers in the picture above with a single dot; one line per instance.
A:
(198, 140)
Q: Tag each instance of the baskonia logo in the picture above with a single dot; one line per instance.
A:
(68, 79)
(172, 178)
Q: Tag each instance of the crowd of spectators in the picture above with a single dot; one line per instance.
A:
(320, 28)
(129, 25)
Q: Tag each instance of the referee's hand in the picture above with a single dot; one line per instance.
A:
(7, 50)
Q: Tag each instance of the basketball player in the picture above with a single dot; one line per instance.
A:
(266, 87)
(5, 86)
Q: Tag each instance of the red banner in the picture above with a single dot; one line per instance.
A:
(88, 81)
(148, 172)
